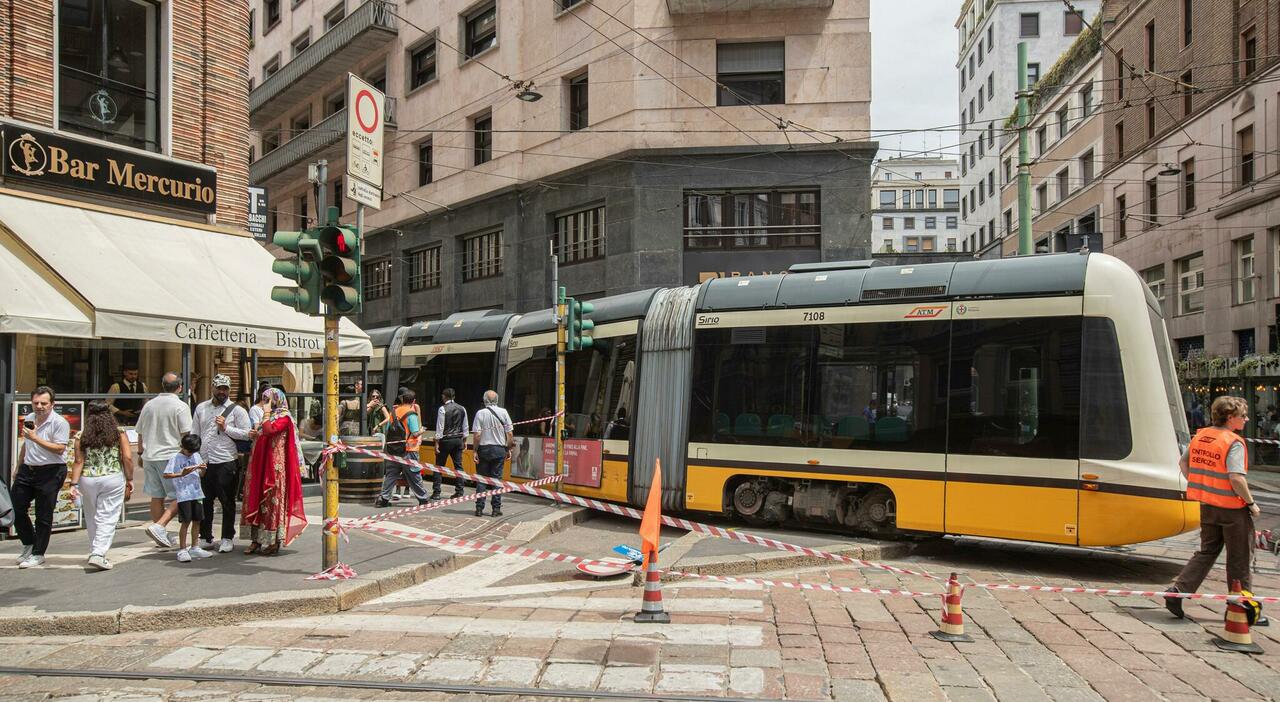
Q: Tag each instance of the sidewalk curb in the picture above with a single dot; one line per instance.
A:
(553, 523)
(743, 563)
(338, 597)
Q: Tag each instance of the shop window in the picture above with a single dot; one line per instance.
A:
(1244, 264)
(580, 236)
(751, 74)
(425, 159)
(1191, 284)
(481, 29)
(1153, 277)
(482, 255)
(482, 139)
(377, 280)
(109, 71)
(579, 117)
(422, 64)
(759, 220)
(424, 269)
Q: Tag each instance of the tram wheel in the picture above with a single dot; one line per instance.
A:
(876, 512)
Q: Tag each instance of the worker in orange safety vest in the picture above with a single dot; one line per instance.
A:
(1215, 465)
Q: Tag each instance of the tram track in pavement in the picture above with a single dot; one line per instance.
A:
(383, 685)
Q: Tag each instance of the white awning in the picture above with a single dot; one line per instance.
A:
(30, 299)
(161, 281)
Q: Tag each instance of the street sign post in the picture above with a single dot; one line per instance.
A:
(365, 104)
(363, 193)
(257, 223)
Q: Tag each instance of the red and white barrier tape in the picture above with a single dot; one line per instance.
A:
(536, 554)
(1115, 592)
(467, 433)
(340, 571)
(619, 510)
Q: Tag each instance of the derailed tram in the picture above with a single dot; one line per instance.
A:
(1029, 398)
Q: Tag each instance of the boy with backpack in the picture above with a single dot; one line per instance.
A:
(404, 435)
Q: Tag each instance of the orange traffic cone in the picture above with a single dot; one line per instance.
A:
(1235, 633)
(952, 627)
(650, 526)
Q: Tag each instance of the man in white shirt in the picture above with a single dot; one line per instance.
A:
(220, 424)
(164, 420)
(42, 469)
(492, 434)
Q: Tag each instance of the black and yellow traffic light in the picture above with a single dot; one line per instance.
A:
(578, 325)
(339, 267)
(303, 268)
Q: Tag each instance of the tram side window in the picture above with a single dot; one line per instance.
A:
(872, 386)
(469, 374)
(531, 388)
(1104, 412)
(1015, 388)
(599, 389)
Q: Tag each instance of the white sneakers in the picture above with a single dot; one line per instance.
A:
(225, 546)
(26, 553)
(159, 535)
(100, 562)
(206, 543)
(32, 562)
(185, 555)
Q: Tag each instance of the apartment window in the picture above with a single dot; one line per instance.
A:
(1042, 140)
(972, 65)
(1086, 168)
(930, 222)
(1121, 69)
(1042, 199)
(1033, 74)
(1187, 101)
(888, 199)
(424, 269)
(911, 244)
(270, 140)
(887, 175)
(973, 112)
(422, 64)
(906, 199)
(982, 195)
(481, 29)
(1008, 222)
(888, 223)
(950, 197)
(270, 67)
(1275, 267)
(982, 147)
(378, 79)
(578, 116)
(1064, 187)
(1151, 46)
(991, 37)
(336, 103)
(991, 86)
(300, 43)
(1244, 147)
(1188, 184)
(933, 199)
(751, 74)
(1008, 170)
(377, 280)
(482, 255)
(301, 123)
(908, 222)
(425, 158)
(991, 135)
(482, 139)
(982, 103)
(1186, 22)
(962, 83)
(951, 245)
(982, 235)
(964, 204)
(1152, 210)
(752, 220)
(580, 235)
(1122, 217)
(1086, 100)
(1064, 122)
(887, 246)
(1249, 51)
(919, 196)
(1120, 139)
(1072, 23)
(964, 119)
(304, 220)
(1191, 284)
(1244, 270)
(270, 10)
(1151, 119)
(339, 196)
(918, 176)
(109, 71)
(1029, 24)
(1154, 279)
(253, 16)
(1246, 342)
(980, 55)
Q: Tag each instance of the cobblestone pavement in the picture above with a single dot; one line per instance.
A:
(473, 628)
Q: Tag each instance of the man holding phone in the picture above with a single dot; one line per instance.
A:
(220, 423)
(42, 470)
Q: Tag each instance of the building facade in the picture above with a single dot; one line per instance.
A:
(640, 140)
(915, 206)
(989, 33)
(123, 207)
(1065, 152)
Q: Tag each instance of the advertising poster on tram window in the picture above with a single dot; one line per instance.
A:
(527, 458)
(66, 515)
(582, 461)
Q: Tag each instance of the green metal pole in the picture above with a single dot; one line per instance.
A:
(1025, 245)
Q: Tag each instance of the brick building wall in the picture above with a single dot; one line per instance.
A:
(1212, 56)
(207, 103)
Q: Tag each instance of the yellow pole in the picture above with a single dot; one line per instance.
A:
(331, 432)
(561, 340)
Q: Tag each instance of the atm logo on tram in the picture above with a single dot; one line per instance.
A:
(926, 312)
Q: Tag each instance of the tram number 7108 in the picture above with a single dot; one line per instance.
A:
(814, 316)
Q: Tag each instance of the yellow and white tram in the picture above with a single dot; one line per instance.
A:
(1030, 398)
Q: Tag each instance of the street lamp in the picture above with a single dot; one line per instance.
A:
(527, 93)
(1169, 170)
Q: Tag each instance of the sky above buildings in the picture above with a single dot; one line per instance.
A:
(913, 82)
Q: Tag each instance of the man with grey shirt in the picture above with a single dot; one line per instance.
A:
(164, 420)
(220, 423)
(42, 469)
(491, 435)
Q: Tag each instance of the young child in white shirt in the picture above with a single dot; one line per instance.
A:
(185, 469)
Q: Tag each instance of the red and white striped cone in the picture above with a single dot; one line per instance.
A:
(1235, 633)
(651, 611)
(952, 627)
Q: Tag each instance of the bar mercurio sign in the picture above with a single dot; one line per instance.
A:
(38, 156)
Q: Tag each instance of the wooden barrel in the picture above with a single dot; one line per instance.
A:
(361, 479)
